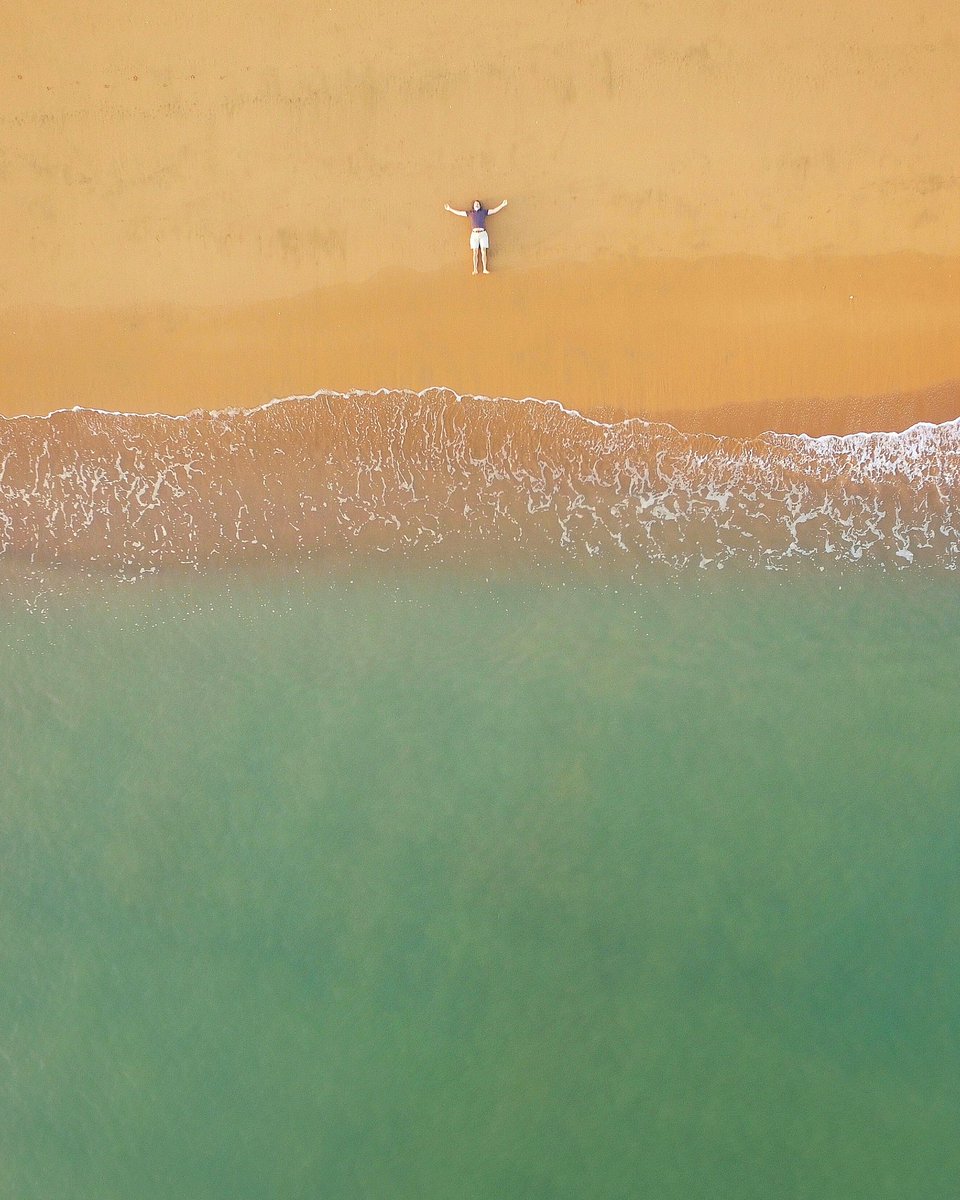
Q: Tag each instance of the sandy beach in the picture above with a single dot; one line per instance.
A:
(727, 217)
(724, 345)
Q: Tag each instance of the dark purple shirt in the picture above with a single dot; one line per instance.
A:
(478, 216)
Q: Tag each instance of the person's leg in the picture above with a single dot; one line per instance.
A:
(483, 255)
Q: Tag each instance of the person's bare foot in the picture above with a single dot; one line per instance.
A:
(485, 271)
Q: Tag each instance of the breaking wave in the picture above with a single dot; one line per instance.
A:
(454, 478)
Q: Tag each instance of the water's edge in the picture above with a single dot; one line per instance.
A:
(449, 477)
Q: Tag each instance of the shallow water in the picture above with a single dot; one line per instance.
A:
(439, 478)
(418, 885)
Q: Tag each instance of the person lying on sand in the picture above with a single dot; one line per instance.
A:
(479, 238)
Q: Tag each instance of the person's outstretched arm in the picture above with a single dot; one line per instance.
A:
(497, 209)
(457, 212)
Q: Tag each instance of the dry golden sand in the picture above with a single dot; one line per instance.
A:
(716, 209)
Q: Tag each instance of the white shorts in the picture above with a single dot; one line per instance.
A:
(479, 239)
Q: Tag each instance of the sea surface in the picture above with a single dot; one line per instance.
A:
(476, 862)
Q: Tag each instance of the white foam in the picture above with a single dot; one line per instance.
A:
(445, 473)
(195, 414)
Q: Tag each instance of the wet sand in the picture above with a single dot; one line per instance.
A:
(731, 345)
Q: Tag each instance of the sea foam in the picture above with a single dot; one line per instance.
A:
(439, 476)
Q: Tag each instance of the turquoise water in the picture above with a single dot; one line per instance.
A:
(426, 887)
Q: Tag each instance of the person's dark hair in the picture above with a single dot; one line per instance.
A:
(478, 202)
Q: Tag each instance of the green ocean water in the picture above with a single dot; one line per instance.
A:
(520, 889)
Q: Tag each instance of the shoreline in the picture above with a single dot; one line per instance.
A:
(439, 481)
(733, 345)
(598, 418)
